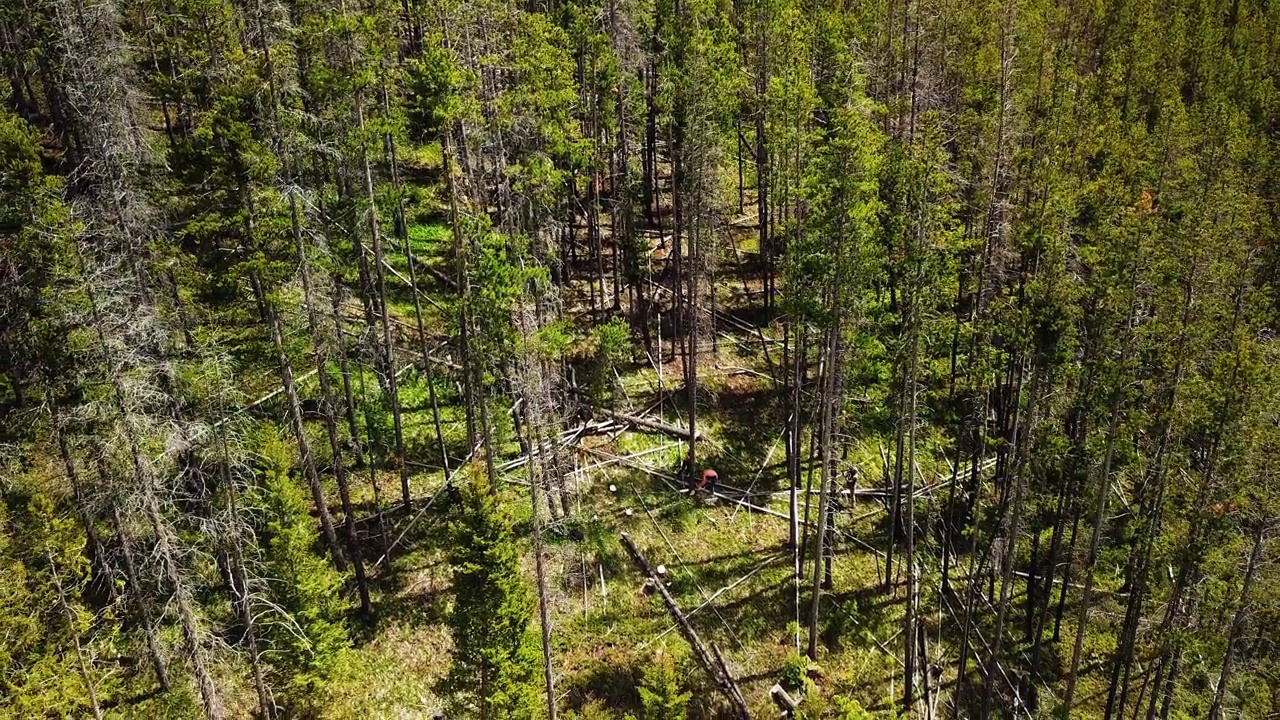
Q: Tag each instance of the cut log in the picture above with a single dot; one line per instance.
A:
(709, 659)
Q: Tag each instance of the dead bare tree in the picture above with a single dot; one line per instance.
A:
(114, 250)
(1261, 529)
(534, 400)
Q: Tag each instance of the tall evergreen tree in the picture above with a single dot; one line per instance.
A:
(494, 658)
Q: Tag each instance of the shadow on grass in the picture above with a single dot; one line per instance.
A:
(414, 609)
(398, 599)
(611, 679)
(752, 315)
(757, 554)
(766, 609)
(749, 424)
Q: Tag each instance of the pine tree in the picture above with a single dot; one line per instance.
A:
(36, 223)
(825, 271)
(660, 694)
(47, 648)
(303, 633)
(1033, 243)
(492, 674)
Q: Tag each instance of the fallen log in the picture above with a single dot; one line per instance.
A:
(680, 433)
(612, 460)
(767, 561)
(739, 702)
(749, 506)
(710, 660)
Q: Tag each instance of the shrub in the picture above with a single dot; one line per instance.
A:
(660, 692)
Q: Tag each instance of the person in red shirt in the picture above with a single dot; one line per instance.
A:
(708, 480)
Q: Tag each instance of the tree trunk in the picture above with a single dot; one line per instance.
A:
(388, 347)
(184, 602)
(829, 401)
(1022, 440)
(762, 163)
(531, 463)
(1099, 518)
(81, 664)
(1238, 621)
(133, 587)
(320, 339)
(285, 367)
(239, 586)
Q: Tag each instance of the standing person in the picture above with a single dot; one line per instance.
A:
(851, 483)
(686, 474)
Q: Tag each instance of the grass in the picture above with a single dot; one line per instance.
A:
(605, 629)
(727, 566)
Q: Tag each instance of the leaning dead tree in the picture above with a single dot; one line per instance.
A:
(708, 658)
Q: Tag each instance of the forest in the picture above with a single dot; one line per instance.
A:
(361, 359)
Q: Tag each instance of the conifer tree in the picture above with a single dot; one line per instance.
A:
(660, 692)
(303, 633)
(1025, 247)
(50, 656)
(36, 223)
(494, 656)
(826, 270)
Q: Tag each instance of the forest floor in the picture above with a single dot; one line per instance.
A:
(728, 564)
